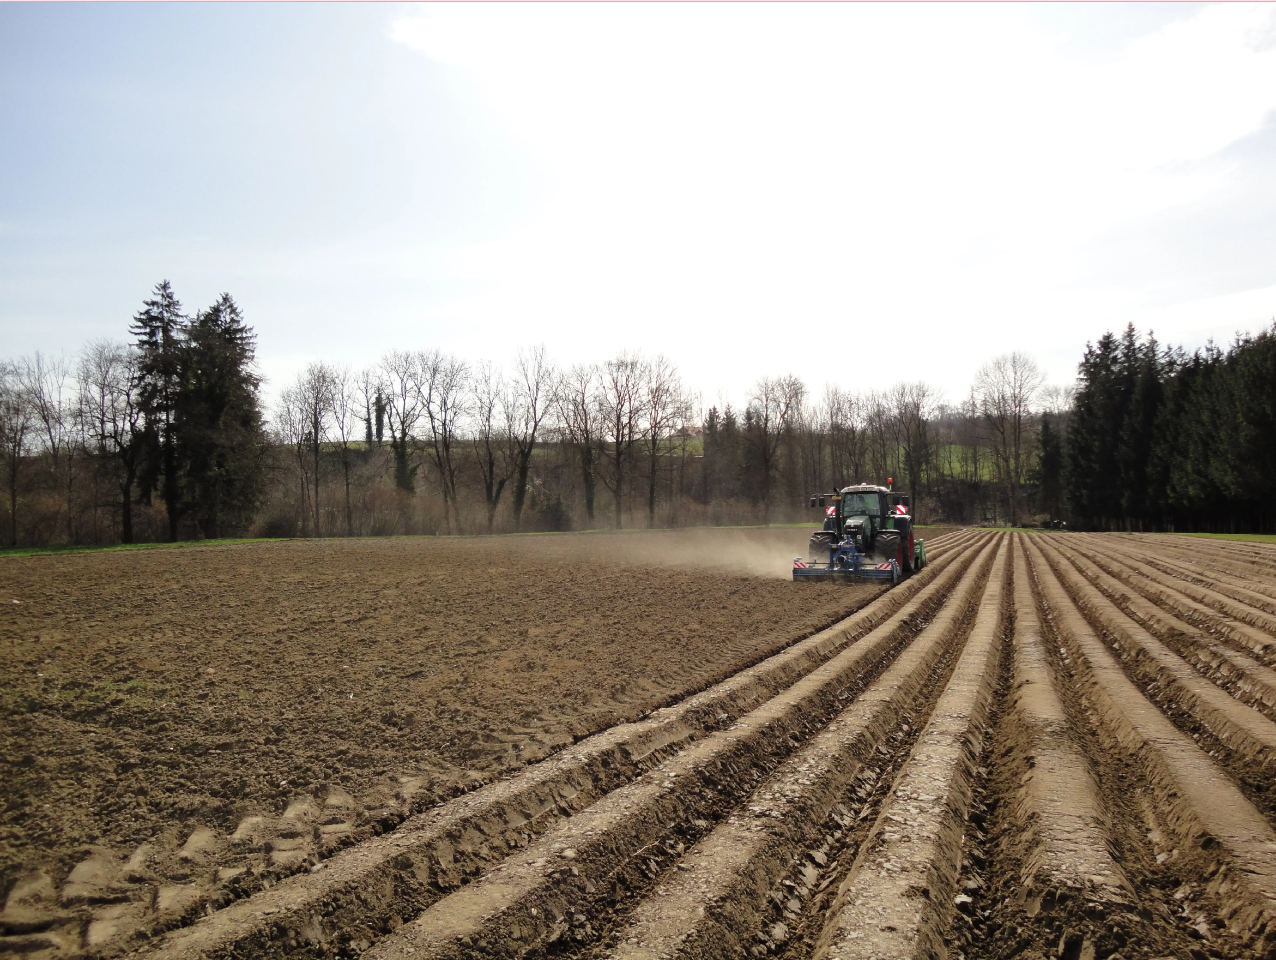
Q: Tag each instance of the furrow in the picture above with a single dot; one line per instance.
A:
(1063, 834)
(1260, 555)
(901, 889)
(1038, 867)
(1202, 593)
(1151, 584)
(1215, 580)
(363, 892)
(535, 896)
(1245, 678)
(1245, 574)
(730, 883)
(1193, 701)
(1210, 819)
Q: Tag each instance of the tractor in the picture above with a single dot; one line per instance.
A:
(867, 535)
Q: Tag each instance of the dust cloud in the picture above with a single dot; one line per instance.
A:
(765, 552)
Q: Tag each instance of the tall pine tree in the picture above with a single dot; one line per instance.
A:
(221, 439)
(159, 329)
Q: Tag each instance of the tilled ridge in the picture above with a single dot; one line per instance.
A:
(568, 877)
(1206, 595)
(365, 891)
(1216, 579)
(1064, 834)
(1153, 585)
(1257, 555)
(1211, 821)
(1242, 676)
(1178, 688)
(1237, 570)
(901, 889)
(730, 882)
(1044, 874)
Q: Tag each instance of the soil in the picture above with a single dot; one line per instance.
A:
(149, 694)
(1039, 746)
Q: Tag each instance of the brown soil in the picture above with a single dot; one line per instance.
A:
(1040, 746)
(150, 693)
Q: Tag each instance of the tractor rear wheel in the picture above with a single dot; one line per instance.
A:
(890, 547)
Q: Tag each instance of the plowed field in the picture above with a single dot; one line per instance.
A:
(1049, 745)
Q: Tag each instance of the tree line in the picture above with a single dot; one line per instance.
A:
(167, 437)
(1166, 440)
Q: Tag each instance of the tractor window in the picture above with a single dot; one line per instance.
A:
(860, 504)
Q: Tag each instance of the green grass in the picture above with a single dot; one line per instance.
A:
(1259, 537)
(181, 544)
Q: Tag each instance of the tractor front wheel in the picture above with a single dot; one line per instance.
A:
(821, 546)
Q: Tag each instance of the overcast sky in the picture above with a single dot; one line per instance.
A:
(858, 193)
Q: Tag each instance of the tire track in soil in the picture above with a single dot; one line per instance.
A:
(368, 890)
(1241, 738)
(1240, 675)
(965, 767)
(519, 903)
(1199, 820)
(1153, 585)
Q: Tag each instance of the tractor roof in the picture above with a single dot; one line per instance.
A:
(865, 488)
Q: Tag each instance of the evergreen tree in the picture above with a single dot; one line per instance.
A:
(1049, 472)
(1141, 375)
(159, 328)
(220, 437)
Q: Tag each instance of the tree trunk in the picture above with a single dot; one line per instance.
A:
(620, 482)
(651, 489)
(345, 466)
(587, 478)
(13, 507)
(520, 487)
(126, 510)
(170, 480)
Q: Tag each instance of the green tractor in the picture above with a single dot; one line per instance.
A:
(867, 535)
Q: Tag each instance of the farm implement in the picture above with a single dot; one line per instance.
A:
(867, 535)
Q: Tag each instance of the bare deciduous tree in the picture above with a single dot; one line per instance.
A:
(444, 385)
(493, 448)
(580, 415)
(48, 385)
(305, 419)
(404, 406)
(914, 406)
(620, 407)
(664, 407)
(111, 416)
(773, 402)
(17, 423)
(344, 411)
(531, 400)
(1006, 388)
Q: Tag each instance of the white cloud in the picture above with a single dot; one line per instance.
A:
(726, 174)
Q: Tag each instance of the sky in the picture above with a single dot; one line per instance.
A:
(856, 193)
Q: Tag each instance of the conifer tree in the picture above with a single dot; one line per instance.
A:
(159, 329)
(220, 436)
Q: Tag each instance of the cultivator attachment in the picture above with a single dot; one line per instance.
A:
(847, 563)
